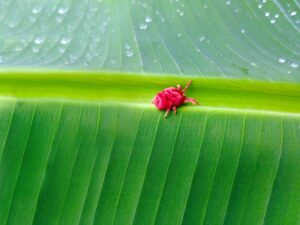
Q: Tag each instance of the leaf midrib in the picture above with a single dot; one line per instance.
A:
(134, 88)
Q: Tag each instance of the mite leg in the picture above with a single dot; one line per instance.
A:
(187, 86)
(152, 101)
(192, 100)
(167, 113)
(174, 110)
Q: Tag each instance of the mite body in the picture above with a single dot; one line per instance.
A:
(171, 98)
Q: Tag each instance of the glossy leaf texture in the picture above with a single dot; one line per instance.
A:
(228, 39)
(81, 144)
(94, 163)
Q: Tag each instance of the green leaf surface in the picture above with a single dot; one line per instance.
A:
(228, 39)
(65, 162)
(81, 144)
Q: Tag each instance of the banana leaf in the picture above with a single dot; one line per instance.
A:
(81, 143)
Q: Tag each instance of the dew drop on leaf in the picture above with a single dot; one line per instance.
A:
(294, 65)
(39, 40)
(35, 49)
(113, 61)
(61, 50)
(18, 49)
(65, 40)
(294, 13)
(62, 10)
(129, 53)
(148, 19)
(36, 10)
(73, 58)
(59, 19)
(202, 38)
(143, 26)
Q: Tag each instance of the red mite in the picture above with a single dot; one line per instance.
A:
(171, 98)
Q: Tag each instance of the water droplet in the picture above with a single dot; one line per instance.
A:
(253, 64)
(260, 6)
(181, 14)
(18, 49)
(294, 65)
(264, 1)
(127, 46)
(272, 21)
(39, 40)
(281, 60)
(243, 31)
(198, 50)
(65, 40)
(143, 26)
(276, 16)
(179, 35)
(148, 19)
(267, 14)
(236, 10)
(202, 38)
(228, 2)
(113, 61)
(59, 19)
(205, 6)
(294, 13)
(36, 10)
(129, 53)
(73, 58)
(62, 10)
(35, 49)
(61, 50)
